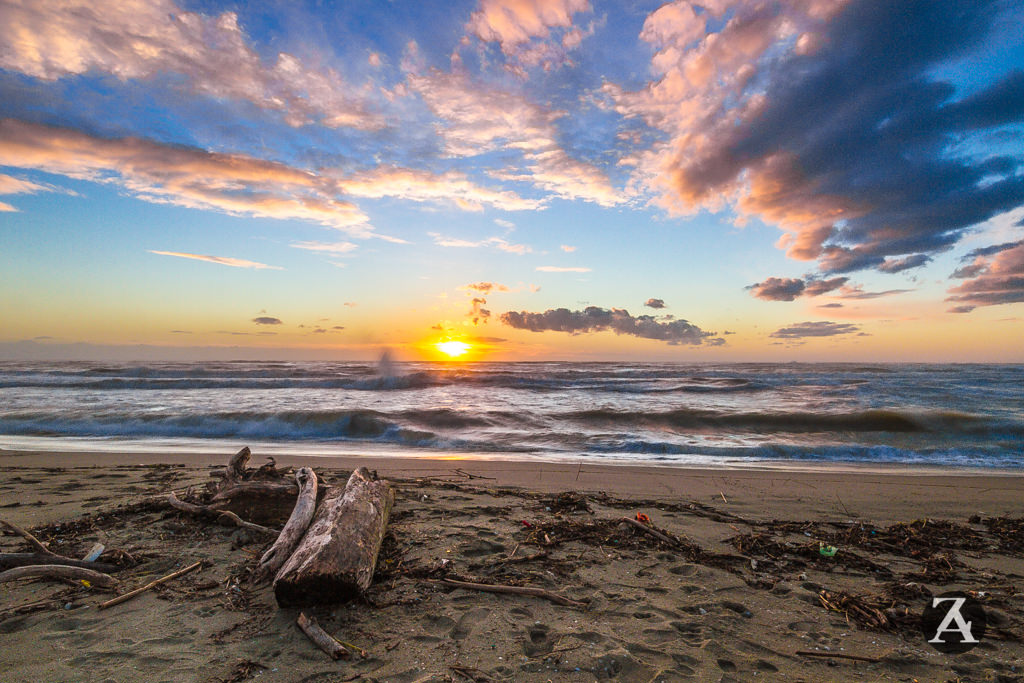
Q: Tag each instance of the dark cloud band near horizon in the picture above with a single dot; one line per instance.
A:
(596, 319)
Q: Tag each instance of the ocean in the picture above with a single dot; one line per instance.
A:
(660, 413)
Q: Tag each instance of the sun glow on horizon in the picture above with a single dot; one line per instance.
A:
(453, 349)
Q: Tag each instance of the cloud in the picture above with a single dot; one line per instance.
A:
(327, 247)
(995, 276)
(183, 176)
(204, 55)
(906, 263)
(810, 116)
(12, 185)
(266, 320)
(814, 329)
(222, 260)
(476, 119)
(778, 289)
(655, 303)
(561, 269)
(834, 304)
(595, 319)
(789, 288)
(523, 28)
(423, 186)
(478, 314)
(496, 242)
(567, 248)
(485, 287)
(857, 292)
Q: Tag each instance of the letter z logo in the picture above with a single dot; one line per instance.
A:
(953, 623)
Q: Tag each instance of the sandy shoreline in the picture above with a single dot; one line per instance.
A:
(703, 612)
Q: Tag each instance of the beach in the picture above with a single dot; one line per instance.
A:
(741, 589)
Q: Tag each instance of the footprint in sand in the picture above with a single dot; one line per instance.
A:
(539, 640)
(726, 665)
(467, 621)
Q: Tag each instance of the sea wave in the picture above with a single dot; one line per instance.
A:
(803, 421)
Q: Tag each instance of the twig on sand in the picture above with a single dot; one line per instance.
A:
(219, 515)
(837, 655)
(467, 475)
(321, 638)
(58, 571)
(152, 584)
(514, 590)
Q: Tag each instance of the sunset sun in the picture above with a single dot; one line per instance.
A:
(453, 349)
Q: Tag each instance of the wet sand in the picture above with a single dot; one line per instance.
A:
(734, 599)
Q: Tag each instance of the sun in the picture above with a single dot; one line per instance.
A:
(453, 349)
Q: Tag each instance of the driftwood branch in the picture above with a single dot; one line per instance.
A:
(152, 584)
(58, 571)
(219, 515)
(45, 556)
(33, 541)
(514, 590)
(236, 466)
(321, 638)
(652, 532)
(837, 655)
(298, 522)
(10, 560)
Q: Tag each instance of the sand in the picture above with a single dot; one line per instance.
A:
(698, 610)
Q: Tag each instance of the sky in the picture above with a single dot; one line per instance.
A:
(750, 180)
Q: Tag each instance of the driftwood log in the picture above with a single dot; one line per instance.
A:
(335, 559)
(298, 522)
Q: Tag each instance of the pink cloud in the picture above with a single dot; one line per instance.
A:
(142, 39)
(182, 176)
(523, 28)
(477, 119)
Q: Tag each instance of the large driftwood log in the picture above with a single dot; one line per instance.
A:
(334, 561)
(298, 522)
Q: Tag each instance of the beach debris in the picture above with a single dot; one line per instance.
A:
(336, 557)
(827, 550)
(94, 553)
(514, 590)
(86, 577)
(321, 638)
(298, 522)
(642, 518)
(223, 516)
(149, 586)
